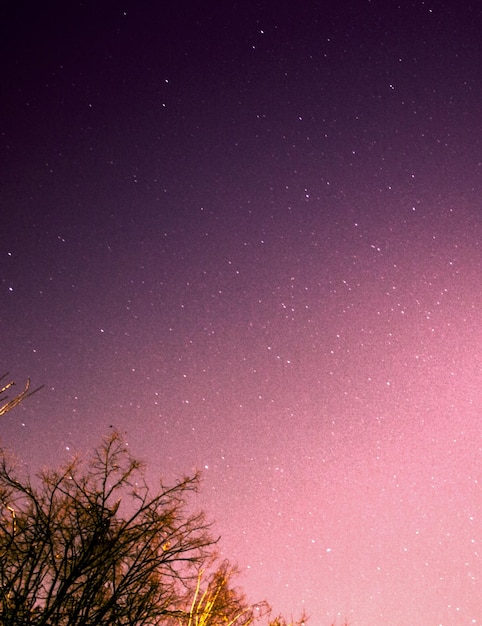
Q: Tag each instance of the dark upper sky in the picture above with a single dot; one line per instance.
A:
(249, 236)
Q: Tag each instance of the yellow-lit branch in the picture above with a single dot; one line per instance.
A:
(8, 405)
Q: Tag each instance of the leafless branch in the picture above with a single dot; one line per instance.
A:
(8, 405)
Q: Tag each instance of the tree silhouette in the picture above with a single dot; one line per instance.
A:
(90, 545)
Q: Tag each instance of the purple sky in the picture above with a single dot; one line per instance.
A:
(251, 238)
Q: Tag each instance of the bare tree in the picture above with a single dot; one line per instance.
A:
(8, 405)
(90, 545)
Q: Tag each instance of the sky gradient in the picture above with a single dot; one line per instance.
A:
(250, 237)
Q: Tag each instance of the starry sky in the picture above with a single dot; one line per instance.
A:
(248, 235)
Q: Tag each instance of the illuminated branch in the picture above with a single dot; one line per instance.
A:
(8, 405)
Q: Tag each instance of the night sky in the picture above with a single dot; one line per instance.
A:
(248, 235)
